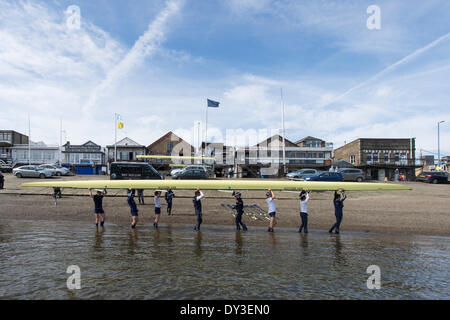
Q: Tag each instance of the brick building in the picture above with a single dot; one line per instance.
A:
(171, 144)
(380, 157)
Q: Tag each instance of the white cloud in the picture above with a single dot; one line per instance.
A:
(145, 45)
(50, 71)
(48, 68)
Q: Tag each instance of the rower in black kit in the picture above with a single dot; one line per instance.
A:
(239, 206)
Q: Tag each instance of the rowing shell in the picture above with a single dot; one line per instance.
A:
(220, 185)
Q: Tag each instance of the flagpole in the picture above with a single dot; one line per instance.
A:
(206, 133)
(29, 140)
(60, 141)
(197, 142)
(115, 137)
(282, 125)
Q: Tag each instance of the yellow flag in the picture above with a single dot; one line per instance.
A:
(120, 125)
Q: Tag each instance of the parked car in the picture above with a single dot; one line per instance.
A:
(434, 177)
(326, 176)
(56, 169)
(192, 166)
(301, 174)
(350, 174)
(5, 167)
(189, 173)
(32, 172)
(133, 170)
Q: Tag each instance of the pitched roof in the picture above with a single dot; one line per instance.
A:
(308, 138)
(90, 143)
(174, 137)
(126, 142)
(86, 144)
(280, 138)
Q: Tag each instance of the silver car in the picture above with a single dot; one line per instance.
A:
(301, 174)
(189, 167)
(32, 172)
(56, 169)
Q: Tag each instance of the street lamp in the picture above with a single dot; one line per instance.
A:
(439, 144)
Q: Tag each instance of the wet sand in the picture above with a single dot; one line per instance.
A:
(424, 210)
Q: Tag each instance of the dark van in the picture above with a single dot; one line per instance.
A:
(133, 170)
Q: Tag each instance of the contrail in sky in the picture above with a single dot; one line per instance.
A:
(390, 68)
(144, 46)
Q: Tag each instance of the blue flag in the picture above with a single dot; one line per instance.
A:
(212, 104)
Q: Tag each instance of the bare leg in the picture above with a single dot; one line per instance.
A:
(272, 222)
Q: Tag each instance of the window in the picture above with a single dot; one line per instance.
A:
(313, 143)
(352, 159)
(403, 158)
(36, 155)
(169, 147)
(375, 157)
(386, 157)
(372, 157)
(5, 136)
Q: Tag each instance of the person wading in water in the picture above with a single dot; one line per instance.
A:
(338, 206)
(198, 207)
(239, 206)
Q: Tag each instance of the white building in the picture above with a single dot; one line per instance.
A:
(127, 150)
(267, 157)
(40, 153)
(87, 153)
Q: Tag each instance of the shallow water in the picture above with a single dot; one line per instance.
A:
(175, 262)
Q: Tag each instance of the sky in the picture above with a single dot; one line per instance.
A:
(156, 62)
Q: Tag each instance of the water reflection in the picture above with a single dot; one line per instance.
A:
(179, 263)
(198, 244)
(304, 244)
(133, 241)
(169, 235)
(239, 243)
(272, 238)
(98, 242)
(339, 257)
